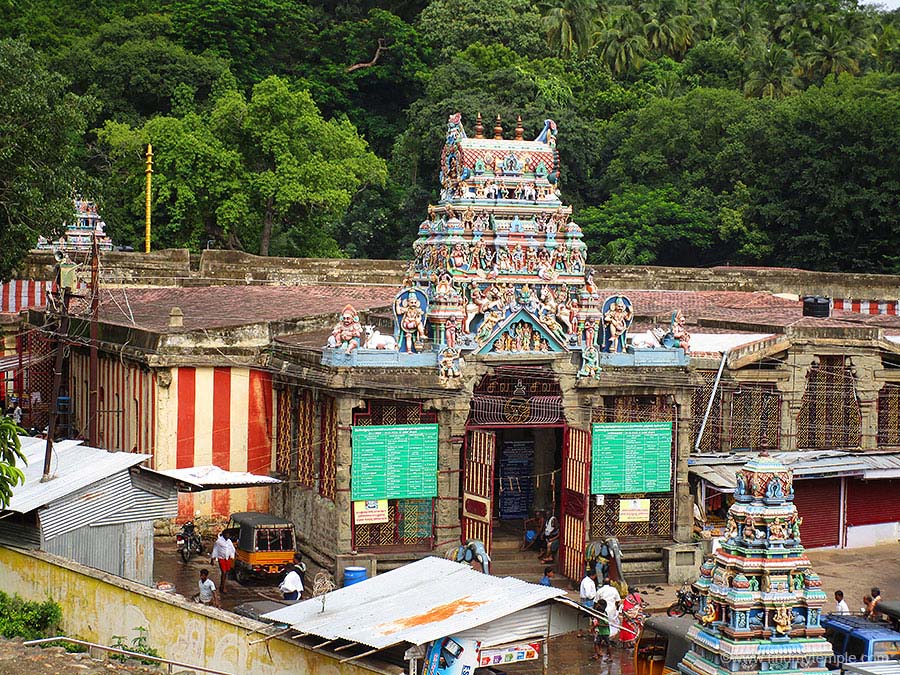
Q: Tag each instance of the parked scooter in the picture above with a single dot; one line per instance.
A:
(188, 541)
(685, 603)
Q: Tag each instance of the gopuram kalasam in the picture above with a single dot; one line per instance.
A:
(466, 408)
(760, 601)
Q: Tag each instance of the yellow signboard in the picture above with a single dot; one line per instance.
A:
(634, 510)
(370, 511)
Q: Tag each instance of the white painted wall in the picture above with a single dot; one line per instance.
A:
(872, 535)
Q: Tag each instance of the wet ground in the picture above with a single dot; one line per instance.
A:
(169, 567)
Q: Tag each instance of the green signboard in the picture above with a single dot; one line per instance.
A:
(631, 457)
(394, 462)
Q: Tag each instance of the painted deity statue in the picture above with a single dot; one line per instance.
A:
(677, 335)
(618, 318)
(348, 333)
(412, 322)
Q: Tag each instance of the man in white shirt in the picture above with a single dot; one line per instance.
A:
(588, 589)
(292, 586)
(223, 553)
(609, 593)
(207, 590)
(841, 606)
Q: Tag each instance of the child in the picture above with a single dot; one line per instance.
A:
(600, 627)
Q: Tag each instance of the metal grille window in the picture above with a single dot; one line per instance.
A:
(712, 433)
(328, 459)
(284, 432)
(829, 412)
(889, 414)
(305, 438)
(410, 521)
(755, 417)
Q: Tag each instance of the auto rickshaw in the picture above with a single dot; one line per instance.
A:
(662, 645)
(264, 544)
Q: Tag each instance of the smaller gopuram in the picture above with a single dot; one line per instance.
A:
(760, 601)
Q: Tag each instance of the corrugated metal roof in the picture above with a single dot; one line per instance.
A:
(873, 668)
(415, 604)
(198, 478)
(720, 342)
(74, 466)
(720, 470)
(11, 362)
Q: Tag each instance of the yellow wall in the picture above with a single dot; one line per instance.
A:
(96, 606)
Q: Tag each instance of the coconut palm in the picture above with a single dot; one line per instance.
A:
(569, 24)
(885, 48)
(745, 27)
(771, 73)
(621, 44)
(667, 26)
(832, 53)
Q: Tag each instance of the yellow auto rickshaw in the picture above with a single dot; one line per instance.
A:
(264, 544)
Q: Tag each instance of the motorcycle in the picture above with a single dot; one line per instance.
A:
(685, 603)
(188, 541)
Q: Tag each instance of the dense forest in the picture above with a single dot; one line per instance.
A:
(692, 132)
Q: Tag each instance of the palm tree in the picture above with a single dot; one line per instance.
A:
(711, 17)
(832, 53)
(885, 48)
(744, 29)
(622, 44)
(667, 26)
(570, 23)
(771, 73)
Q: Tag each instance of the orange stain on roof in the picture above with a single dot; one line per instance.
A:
(436, 614)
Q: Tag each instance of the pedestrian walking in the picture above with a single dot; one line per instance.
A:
(840, 604)
(600, 628)
(222, 554)
(207, 594)
(871, 609)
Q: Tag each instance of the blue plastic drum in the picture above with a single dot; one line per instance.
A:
(353, 575)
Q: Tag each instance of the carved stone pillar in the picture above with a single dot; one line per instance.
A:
(791, 389)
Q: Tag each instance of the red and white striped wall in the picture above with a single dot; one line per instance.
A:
(222, 416)
(20, 294)
(866, 306)
(126, 402)
(185, 417)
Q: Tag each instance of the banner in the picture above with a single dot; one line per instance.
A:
(370, 511)
(524, 652)
(452, 656)
(634, 510)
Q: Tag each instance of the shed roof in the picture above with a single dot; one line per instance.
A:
(720, 469)
(426, 600)
(73, 466)
(199, 478)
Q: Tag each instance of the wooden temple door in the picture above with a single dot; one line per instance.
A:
(576, 493)
(478, 487)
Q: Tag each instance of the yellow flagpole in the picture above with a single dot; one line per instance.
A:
(149, 172)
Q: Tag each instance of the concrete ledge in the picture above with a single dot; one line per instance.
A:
(682, 562)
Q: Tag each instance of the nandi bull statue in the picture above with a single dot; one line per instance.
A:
(375, 340)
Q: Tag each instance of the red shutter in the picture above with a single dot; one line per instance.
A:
(818, 502)
(870, 502)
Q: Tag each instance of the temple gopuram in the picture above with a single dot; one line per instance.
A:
(760, 601)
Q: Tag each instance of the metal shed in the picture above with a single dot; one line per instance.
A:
(402, 611)
(98, 509)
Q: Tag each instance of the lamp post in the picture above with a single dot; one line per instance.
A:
(149, 172)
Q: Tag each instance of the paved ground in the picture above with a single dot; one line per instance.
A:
(856, 570)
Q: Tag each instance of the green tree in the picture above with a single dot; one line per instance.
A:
(716, 63)
(267, 173)
(667, 26)
(569, 25)
(10, 455)
(449, 26)
(41, 125)
(622, 44)
(135, 66)
(771, 73)
(832, 53)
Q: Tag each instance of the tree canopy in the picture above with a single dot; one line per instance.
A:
(691, 133)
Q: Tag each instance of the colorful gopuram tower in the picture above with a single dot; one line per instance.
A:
(499, 265)
(760, 601)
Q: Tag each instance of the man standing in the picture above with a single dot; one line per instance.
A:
(223, 553)
(609, 593)
(588, 589)
(207, 594)
(841, 607)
